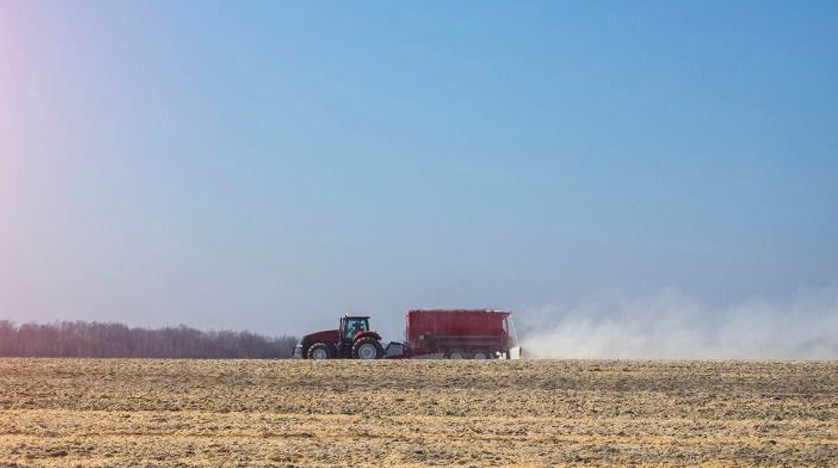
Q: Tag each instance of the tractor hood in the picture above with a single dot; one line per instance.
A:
(327, 336)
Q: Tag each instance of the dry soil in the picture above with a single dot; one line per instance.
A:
(150, 413)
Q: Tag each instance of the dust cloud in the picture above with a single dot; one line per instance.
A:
(671, 325)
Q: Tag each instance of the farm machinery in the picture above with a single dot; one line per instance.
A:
(449, 334)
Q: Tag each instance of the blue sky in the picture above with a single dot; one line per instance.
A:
(269, 165)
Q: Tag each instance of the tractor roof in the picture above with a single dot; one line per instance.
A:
(348, 315)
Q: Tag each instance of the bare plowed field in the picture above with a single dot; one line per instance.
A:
(153, 413)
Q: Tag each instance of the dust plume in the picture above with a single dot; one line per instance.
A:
(670, 325)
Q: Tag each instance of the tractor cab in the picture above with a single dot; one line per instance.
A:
(351, 325)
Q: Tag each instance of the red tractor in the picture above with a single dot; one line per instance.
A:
(353, 339)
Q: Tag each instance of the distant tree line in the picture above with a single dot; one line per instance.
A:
(115, 340)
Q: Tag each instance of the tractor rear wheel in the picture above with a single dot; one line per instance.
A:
(319, 351)
(367, 348)
(455, 354)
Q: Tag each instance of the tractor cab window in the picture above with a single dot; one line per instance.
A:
(351, 326)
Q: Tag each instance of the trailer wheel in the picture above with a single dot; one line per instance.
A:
(367, 348)
(455, 354)
(481, 354)
(319, 351)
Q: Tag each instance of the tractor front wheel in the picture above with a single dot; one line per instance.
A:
(367, 348)
(319, 351)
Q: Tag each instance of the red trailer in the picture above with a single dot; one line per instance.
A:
(459, 334)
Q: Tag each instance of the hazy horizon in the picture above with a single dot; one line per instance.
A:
(271, 165)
